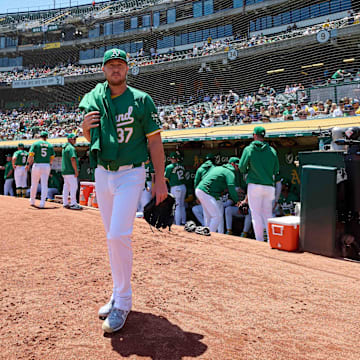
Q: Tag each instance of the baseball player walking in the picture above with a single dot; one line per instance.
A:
(120, 123)
(8, 176)
(210, 189)
(19, 164)
(41, 156)
(175, 174)
(70, 173)
(260, 162)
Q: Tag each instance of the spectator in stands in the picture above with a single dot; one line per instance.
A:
(288, 112)
(335, 110)
(339, 75)
(355, 104)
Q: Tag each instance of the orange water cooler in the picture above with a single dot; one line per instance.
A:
(284, 232)
(86, 188)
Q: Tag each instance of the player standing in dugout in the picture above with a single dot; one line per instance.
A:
(120, 123)
(20, 173)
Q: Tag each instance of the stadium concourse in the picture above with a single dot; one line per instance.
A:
(195, 297)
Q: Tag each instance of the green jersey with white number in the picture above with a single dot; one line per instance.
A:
(175, 173)
(42, 151)
(149, 169)
(20, 157)
(135, 119)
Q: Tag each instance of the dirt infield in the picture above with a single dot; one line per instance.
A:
(218, 297)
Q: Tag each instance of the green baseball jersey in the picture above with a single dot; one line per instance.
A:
(68, 152)
(260, 162)
(217, 180)
(202, 171)
(175, 173)
(42, 151)
(149, 169)
(20, 157)
(54, 180)
(8, 168)
(86, 171)
(135, 119)
(287, 203)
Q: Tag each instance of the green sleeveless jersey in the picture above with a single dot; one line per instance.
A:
(20, 157)
(135, 119)
(175, 173)
(42, 151)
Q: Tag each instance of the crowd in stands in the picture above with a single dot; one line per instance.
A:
(28, 123)
(213, 110)
(142, 58)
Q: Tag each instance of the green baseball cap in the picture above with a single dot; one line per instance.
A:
(20, 145)
(235, 160)
(209, 156)
(259, 130)
(174, 155)
(71, 136)
(114, 54)
(8, 155)
(44, 133)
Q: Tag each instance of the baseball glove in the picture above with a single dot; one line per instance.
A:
(162, 215)
(244, 209)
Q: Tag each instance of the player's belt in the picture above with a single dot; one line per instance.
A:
(112, 166)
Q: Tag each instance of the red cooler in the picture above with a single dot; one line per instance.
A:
(284, 232)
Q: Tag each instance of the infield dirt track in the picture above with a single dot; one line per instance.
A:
(217, 297)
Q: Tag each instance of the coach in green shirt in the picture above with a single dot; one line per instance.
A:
(70, 173)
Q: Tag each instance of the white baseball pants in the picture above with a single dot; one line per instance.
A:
(179, 191)
(20, 175)
(8, 188)
(260, 202)
(118, 194)
(233, 211)
(39, 172)
(70, 186)
(145, 196)
(198, 212)
(213, 210)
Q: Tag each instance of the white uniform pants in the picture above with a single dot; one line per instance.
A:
(233, 211)
(118, 194)
(179, 191)
(70, 186)
(260, 202)
(39, 172)
(20, 175)
(198, 212)
(145, 196)
(213, 210)
(8, 188)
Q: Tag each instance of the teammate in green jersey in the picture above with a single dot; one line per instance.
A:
(70, 173)
(8, 176)
(20, 173)
(41, 156)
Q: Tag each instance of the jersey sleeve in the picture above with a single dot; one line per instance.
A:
(51, 152)
(152, 124)
(168, 172)
(32, 150)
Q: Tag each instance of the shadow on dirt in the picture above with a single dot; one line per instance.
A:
(154, 336)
